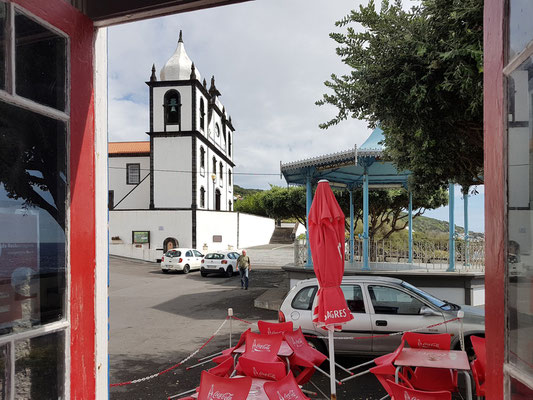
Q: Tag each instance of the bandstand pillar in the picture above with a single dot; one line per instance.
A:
(451, 246)
(308, 201)
(366, 263)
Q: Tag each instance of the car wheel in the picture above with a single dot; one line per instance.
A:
(186, 269)
(468, 348)
(318, 344)
(204, 274)
(229, 272)
(165, 271)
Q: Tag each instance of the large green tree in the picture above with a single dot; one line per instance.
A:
(417, 73)
(386, 211)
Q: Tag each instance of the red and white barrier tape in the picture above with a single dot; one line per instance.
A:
(146, 378)
(369, 336)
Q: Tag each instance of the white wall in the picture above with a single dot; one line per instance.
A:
(254, 230)
(186, 108)
(161, 224)
(140, 197)
(209, 223)
(172, 172)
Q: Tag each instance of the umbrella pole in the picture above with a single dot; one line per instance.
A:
(332, 364)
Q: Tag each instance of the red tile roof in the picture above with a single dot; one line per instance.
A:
(129, 148)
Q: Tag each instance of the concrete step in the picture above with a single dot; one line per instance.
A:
(282, 235)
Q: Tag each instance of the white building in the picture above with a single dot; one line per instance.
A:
(177, 188)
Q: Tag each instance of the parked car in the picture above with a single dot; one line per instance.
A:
(221, 262)
(183, 260)
(380, 305)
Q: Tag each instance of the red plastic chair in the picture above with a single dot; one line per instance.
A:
(286, 388)
(433, 379)
(385, 373)
(440, 341)
(263, 347)
(273, 371)
(228, 352)
(401, 392)
(214, 387)
(224, 369)
(303, 355)
(270, 328)
(479, 365)
(389, 358)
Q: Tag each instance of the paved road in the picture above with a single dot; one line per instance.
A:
(156, 320)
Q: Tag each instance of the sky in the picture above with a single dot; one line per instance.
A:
(270, 59)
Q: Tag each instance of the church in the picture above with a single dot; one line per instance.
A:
(176, 190)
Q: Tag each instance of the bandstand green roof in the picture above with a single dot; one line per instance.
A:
(346, 168)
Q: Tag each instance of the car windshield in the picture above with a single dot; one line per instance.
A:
(214, 256)
(433, 300)
(173, 253)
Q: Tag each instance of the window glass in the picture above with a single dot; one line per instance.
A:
(202, 114)
(40, 63)
(354, 298)
(32, 219)
(229, 177)
(197, 253)
(520, 32)
(188, 253)
(221, 171)
(520, 218)
(519, 391)
(39, 367)
(387, 300)
(304, 299)
(202, 197)
(133, 176)
(173, 253)
(3, 11)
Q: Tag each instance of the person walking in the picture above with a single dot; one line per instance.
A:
(243, 263)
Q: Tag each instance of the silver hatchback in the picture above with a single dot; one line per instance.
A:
(381, 306)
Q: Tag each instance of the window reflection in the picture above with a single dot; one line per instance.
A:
(40, 60)
(39, 367)
(2, 45)
(520, 33)
(520, 201)
(32, 217)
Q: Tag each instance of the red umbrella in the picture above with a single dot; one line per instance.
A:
(326, 237)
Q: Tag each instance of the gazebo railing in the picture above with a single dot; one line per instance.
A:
(429, 255)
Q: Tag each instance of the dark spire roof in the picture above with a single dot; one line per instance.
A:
(213, 91)
(181, 37)
(193, 72)
(204, 83)
(153, 77)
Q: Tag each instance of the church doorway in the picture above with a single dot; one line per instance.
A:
(217, 200)
(170, 243)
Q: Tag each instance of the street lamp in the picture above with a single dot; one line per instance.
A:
(214, 178)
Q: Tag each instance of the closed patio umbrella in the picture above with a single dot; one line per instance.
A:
(326, 237)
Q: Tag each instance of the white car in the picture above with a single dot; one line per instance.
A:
(222, 262)
(183, 260)
(380, 306)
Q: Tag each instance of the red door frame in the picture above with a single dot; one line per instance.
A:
(80, 29)
(495, 194)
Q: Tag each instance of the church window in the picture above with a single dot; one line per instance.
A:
(133, 174)
(172, 106)
(202, 114)
(221, 172)
(229, 144)
(202, 158)
(229, 206)
(214, 165)
(217, 130)
(224, 137)
(202, 197)
(229, 176)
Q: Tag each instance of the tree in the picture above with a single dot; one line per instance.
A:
(33, 160)
(419, 75)
(386, 211)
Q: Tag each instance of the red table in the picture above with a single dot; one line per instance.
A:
(449, 359)
(256, 390)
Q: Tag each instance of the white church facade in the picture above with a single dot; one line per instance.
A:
(176, 190)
